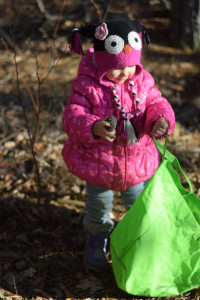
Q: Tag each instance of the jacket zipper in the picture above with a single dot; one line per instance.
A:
(125, 146)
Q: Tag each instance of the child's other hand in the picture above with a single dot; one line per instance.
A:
(159, 128)
(99, 129)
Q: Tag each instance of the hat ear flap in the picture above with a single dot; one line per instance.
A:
(74, 42)
(145, 37)
(74, 39)
(141, 29)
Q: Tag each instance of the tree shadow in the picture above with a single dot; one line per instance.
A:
(42, 253)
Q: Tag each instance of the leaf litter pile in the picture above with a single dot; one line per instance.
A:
(41, 234)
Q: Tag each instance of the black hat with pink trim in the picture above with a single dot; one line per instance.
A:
(117, 43)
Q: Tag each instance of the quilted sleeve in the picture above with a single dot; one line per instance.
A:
(156, 107)
(78, 118)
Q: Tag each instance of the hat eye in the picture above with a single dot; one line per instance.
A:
(114, 44)
(135, 40)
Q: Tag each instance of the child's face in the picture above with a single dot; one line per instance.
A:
(120, 75)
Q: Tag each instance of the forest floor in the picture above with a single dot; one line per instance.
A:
(42, 241)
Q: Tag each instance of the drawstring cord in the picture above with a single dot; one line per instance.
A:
(128, 130)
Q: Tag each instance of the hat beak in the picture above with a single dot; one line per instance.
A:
(127, 49)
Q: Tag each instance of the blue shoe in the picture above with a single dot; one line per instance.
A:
(96, 250)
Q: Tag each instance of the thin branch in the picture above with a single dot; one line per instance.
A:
(41, 78)
(20, 100)
(41, 7)
(98, 9)
(5, 44)
(15, 285)
(27, 125)
(30, 93)
(6, 37)
(59, 18)
(47, 15)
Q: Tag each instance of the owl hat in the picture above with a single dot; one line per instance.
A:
(117, 43)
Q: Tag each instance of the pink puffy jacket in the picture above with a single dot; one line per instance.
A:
(113, 165)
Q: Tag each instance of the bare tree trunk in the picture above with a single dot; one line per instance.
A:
(186, 22)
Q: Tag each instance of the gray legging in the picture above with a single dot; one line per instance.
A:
(100, 202)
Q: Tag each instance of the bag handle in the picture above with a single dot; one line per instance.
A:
(171, 158)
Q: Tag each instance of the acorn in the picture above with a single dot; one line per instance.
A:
(113, 124)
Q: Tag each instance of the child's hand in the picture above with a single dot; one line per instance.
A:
(160, 127)
(99, 129)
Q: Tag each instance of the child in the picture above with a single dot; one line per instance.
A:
(112, 82)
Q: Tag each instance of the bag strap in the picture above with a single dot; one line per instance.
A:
(171, 158)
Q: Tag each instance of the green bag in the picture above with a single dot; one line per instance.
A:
(155, 248)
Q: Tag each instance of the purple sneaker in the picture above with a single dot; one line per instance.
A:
(96, 249)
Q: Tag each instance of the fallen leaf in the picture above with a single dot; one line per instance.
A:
(92, 283)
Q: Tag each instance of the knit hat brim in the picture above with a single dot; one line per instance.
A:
(105, 61)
